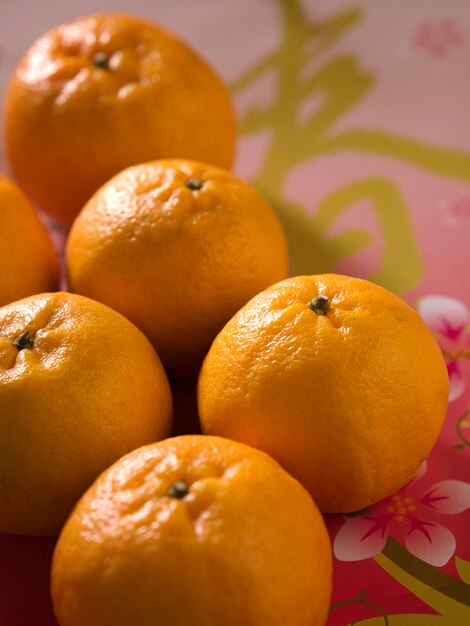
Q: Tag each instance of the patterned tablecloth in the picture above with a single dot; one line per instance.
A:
(355, 123)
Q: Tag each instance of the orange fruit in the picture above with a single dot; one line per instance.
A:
(335, 377)
(79, 387)
(102, 93)
(196, 531)
(28, 262)
(177, 247)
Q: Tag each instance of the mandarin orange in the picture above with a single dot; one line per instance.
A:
(79, 387)
(28, 261)
(335, 377)
(196, 531)
(177, 247)
(102, 93)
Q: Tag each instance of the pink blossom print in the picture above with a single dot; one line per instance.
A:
(449, 320)
(438, 38)
(409, 513)
(459, 209)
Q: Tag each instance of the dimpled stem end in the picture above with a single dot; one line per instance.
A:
(179, 490)
(320, 305)
(194, 184)
(24, 341)
(101, 61)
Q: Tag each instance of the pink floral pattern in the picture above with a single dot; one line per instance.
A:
(439, 37)
(449, 319)
(409, 512)
(459, 209)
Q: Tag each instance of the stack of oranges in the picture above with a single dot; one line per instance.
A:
(314, 392)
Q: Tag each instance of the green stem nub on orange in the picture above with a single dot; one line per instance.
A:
(179, 490)
(320, 305)
(101, 61)
(194, 184)
(24, 341)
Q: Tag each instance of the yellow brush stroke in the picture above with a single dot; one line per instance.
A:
(338, 85)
